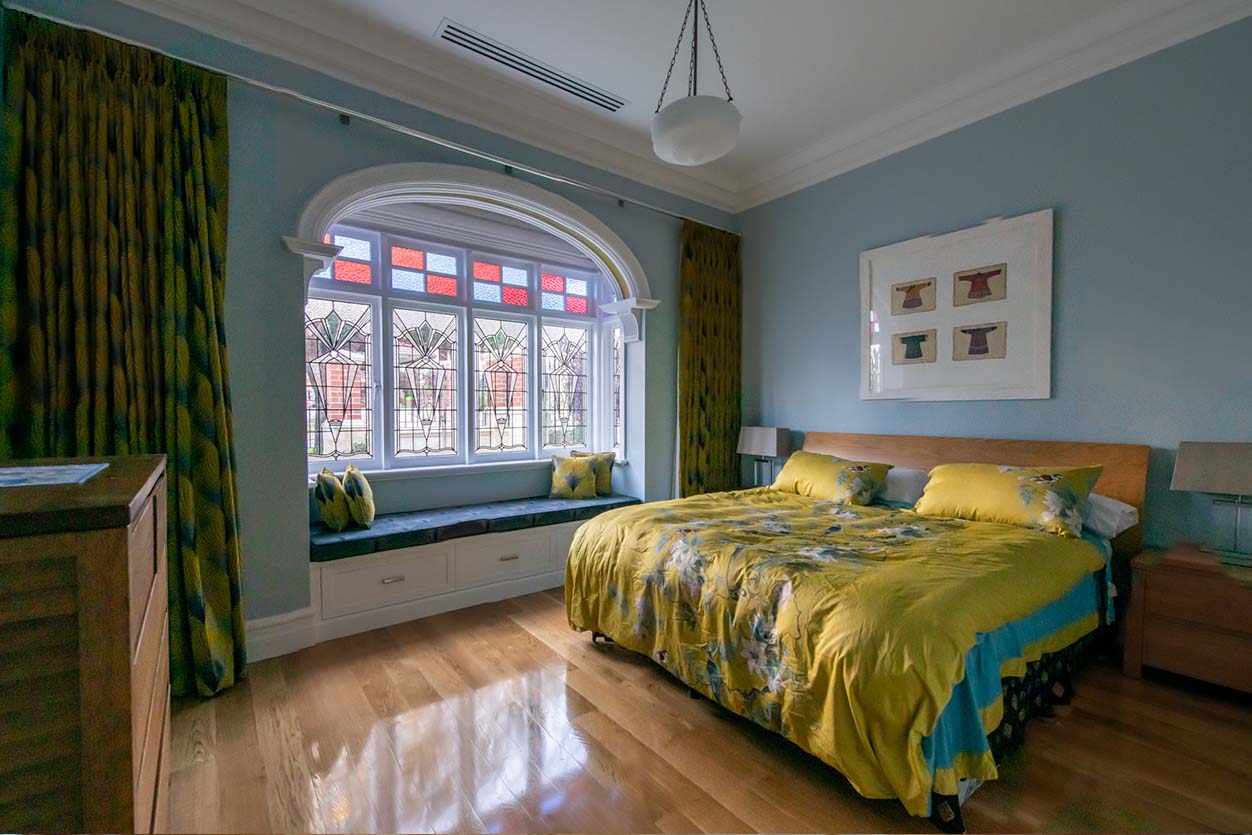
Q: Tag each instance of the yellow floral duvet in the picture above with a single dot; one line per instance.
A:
(843, 628)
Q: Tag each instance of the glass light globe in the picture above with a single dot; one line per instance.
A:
(695, 130)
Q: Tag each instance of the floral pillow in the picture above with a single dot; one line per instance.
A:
(831, 478)
(1049, 499)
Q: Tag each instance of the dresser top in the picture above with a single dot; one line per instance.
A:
(109, 499)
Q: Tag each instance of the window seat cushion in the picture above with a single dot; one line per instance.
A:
(422, 527)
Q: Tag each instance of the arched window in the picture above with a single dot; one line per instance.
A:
(422, 352)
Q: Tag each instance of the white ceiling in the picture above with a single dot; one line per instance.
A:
(824, 85)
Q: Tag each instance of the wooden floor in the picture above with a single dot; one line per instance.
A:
(501, 719)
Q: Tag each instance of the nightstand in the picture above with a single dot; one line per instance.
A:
(1190, 615)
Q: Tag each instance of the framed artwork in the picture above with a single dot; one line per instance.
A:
(961, 316)
(913, 296)
(911, 348)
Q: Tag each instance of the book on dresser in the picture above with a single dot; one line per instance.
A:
(84, 649)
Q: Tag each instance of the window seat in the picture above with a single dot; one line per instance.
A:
(423, 527)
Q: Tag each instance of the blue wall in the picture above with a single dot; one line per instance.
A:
(1149, 168)
(283, 151)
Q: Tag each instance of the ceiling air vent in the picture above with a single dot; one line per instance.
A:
(493, 50)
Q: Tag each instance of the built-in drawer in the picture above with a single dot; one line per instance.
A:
(149, 671)
(562, 538)
(364, 583)
(494, 557)
(1200, 598)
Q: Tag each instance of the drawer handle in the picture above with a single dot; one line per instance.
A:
(387, 581)
(508, 557)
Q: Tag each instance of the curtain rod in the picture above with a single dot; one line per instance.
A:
(509, 165)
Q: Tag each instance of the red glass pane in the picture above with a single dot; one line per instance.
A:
(516, 295)
(404, 257)
(326, 238)
(575, 304)
(486, 272)
(440, 285)
(352, 271)
(554, 283)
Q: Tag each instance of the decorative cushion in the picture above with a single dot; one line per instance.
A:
(1049, 499)
(831, 478)
(603, 462)
(573, 478)
(332, 501)
(360, 496)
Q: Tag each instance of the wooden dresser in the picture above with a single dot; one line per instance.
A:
(1190, 615)
(84, 652)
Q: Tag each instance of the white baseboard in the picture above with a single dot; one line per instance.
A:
(331, 628)
(291, 631)
(281, 634)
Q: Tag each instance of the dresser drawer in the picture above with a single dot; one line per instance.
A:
(398, 576)
(1211, 655)
(495, 557)
(143, 568)
(1200, 598)
(152, 728)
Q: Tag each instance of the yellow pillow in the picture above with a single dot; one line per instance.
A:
(573, 478)
(831, 478)
(603, 463)
(360, 496)
(332, 501)
(1049, 499)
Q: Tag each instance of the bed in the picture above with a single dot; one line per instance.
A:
(880, 641)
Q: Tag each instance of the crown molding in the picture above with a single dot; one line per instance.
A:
(464, 93)
(504, 107)
(1126, 34)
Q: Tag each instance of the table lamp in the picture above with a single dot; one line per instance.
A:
(765, 443)
(1222, 468)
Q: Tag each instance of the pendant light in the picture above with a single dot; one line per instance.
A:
(695, 129)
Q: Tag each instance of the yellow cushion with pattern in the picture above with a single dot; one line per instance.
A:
(831, 478)
(603, 462)
(332, 501)
(573, 478)
(360, 496)
(1049, 499)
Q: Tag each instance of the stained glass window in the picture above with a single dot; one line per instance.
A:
(517, 296)
(354, 248)
(352, 271)
(485, 292)
(617, 359)
(500, 384)
(407, 264)
(563, 293)
(338, 360)
(516, 277)
(424, 345)
(564, 361)
(486, 272)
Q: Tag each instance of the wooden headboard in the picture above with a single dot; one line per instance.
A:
(1124, 478)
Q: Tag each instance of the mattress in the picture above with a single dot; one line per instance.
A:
(873, 638)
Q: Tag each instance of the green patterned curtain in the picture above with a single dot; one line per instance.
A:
(709, 332)
(112, 266)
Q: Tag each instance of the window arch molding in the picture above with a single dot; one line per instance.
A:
(460, 185)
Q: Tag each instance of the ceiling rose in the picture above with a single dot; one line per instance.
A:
(695, 129)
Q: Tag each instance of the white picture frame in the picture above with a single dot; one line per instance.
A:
(992, 327)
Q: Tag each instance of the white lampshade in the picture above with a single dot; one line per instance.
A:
(695, 130)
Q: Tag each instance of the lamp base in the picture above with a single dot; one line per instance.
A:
(762, 465)
(1230, 557)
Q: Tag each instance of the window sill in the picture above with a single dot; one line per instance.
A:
(437, 471)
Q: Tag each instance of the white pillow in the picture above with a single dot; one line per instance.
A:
(904, 485)
(1107, 517)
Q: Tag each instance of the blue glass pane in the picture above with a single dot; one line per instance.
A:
(322, 273)
(486, 292)
(353, 248)
(553, 301)
(408, 280)
(516, 277)
(575, 286)
(437, 263)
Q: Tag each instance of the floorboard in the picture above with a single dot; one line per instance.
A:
(499, 718)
